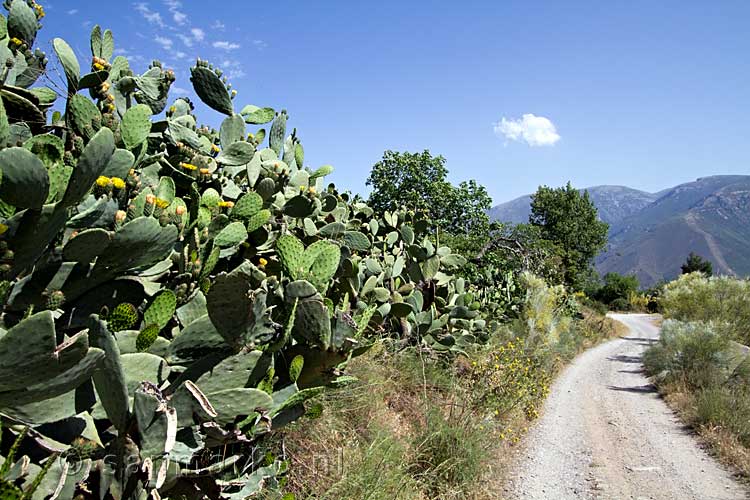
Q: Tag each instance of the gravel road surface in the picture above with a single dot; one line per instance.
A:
(606, 434)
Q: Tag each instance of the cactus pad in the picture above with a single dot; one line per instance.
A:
(258, 220)
(135, 125)
(257, 116)
(211, 90)
(278, 131)
(122, 317)
(161, 309)
(68, 60)
(232, 235)
(146, 338)
(25, 183)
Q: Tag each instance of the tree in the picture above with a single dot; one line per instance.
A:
(617, 287)
(569, 219)
(417, 181)
(695, 263)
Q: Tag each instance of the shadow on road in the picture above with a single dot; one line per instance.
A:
(640, 341)
(639, 389)
(621, 358)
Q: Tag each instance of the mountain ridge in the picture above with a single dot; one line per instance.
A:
(652, 233)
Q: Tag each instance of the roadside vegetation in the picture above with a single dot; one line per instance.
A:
(416, 426)
(226, 324)
(701, 364)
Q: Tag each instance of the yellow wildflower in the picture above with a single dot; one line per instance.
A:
(161, 203)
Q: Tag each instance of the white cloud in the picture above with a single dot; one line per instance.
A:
(180, 55)
(185, 39)
(531, 129)
(165, 42)
(178, 90)
(232, 68)
(198, 34)
(223, 45)
(149, 15)
(260, 44)
(174, 8)
(72, 12)
(218, 25)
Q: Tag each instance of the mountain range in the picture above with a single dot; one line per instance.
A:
(651, 234)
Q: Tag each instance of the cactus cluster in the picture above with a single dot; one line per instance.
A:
(173, 293)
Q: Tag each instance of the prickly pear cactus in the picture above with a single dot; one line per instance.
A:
(190, 284)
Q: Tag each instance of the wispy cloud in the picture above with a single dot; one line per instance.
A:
(180, 55)
(218, 25)
(198, 34)
(224, 45)
(149, 15)
(531, 129)
(188, 41)
(232, 68)
(165, 42)
(174, 7)
(259, 44)
(72, 12)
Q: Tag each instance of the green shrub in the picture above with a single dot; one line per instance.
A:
(692, 353)
(723, 300)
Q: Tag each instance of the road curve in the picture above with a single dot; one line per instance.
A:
(606, 434)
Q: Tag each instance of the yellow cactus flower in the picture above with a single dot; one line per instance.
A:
(39, 11)
(204, 171)
(311, 190)
(98, 66)
(262, 262)
(118, 183)
(103, 181)
(16, 41)
(226, 204)
(188, 166)
(215, 148)
(3, 228)
(161, 203)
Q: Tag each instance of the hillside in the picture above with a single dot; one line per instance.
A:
(651, 234)
(614, 203)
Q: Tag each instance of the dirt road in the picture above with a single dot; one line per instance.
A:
(606, 434)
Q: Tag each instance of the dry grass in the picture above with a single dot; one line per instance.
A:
(409, 430)
(721, 442)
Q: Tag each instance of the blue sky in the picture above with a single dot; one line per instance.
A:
(642, 93)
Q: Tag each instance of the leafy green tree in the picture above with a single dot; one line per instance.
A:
(617, 287)
(695, 263)
(417, 181)
(569, 219)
